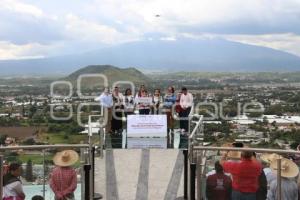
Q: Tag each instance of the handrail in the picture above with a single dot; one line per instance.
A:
(40, 147)
(259, 150)
(194, 146)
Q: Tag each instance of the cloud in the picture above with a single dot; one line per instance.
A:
(84, 25)
(168, 39)
(23, 23)
(288, 42)
(21, 8)
(78, 28)
(12, 51)
(215, 16)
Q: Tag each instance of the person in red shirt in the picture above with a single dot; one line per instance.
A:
(218, 185)
(245, 176)
(63, 179)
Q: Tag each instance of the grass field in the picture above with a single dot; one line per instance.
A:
(36, 159)
(50, 138)
(61, 138)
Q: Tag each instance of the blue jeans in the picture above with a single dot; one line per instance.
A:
(236, 195)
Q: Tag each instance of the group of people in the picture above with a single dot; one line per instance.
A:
(144, 103)
(244, 176)
(237, 176)
(63, 179)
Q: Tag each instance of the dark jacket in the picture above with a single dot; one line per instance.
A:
(218, 187)
(262, 191)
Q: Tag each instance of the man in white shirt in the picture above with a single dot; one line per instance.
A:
(106, 101)
(186, 103)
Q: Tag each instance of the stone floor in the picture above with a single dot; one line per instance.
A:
(136, 174)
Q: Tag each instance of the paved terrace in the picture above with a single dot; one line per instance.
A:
(138, 174)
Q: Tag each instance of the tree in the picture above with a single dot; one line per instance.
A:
(12, 157)
(32, 110)
(29, 141)
(29, 171)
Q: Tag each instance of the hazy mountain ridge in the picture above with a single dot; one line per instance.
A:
(185, 54)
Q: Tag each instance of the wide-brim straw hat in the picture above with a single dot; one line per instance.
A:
(234, 154)
(289, 169)
(65, 158)
(268, 158)
(231, 154)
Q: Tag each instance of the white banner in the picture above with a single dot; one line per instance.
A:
(142, 143)
(144, 100)
(147, 126)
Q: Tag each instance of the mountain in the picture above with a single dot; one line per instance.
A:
(181, 54)
(112, 73)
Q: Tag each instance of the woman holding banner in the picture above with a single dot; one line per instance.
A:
(157, 102)
(143, 101)
(128, 102)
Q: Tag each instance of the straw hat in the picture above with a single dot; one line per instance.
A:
(288, 168)
(268, 158)
(232, 154)
(225, 145)
(65, 158)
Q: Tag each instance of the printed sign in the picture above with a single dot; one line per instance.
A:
(147, 126)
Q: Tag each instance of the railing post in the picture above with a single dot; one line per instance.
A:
(44, 174)
(189, 121)
(1, 176)
(191, 151)
(199, 176)
(190, 161)
(192, 180)
(101, 143)
(82, 162)
(87, 187)
(279, 178)
(94, 195)
(92, 179)
(185, 176)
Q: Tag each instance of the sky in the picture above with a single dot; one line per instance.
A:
(45, 28)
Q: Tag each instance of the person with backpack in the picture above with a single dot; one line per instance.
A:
(12, 185)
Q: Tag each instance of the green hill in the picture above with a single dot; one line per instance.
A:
(112, 73)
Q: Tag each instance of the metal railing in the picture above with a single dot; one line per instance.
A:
(196, 160)
(190, 166)
(86, 158)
